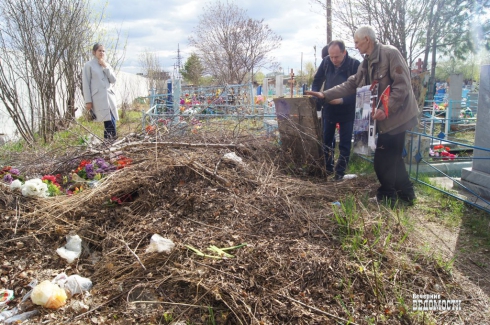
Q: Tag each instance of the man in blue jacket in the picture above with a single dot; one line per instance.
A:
(334, 70)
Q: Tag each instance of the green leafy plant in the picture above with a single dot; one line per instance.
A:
(212, 320)
(167, 316)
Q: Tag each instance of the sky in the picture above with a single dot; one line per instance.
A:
(162, 26)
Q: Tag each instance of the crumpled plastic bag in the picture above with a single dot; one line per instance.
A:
(160, 244)
(48, 295)
(72, 250)
(73, 284)
(232, 157)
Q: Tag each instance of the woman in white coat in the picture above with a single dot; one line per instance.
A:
(98, 77)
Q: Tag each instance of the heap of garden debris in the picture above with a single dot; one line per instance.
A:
(306, 260)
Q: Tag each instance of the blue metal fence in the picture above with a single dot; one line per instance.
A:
(422, 159)
(190, 103)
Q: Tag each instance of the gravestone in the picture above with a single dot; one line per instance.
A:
(454, 95)
(265, 87)
(477, 177)
(299, 131)
(279, 86)
(472, 102)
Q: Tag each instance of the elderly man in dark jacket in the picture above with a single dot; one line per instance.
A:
(385, 65)
(334, 70)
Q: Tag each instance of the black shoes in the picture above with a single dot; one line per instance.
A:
(338, 178)
(409, 199)
(392, 202)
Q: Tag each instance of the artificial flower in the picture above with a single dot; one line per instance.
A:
(7, 178)
(10, 174)
(16, 184)
(441, 151)
(35, 188)
(53, 187)
(123, 162)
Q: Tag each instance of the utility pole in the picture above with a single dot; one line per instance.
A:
(329, 20)
(301, 67)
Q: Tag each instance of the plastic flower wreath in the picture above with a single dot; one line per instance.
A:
(122, 162)
(441, 151)
(150, 129)
(259, 100)
(76, 190)
(94, 169)
(53, 187)
(9, 174)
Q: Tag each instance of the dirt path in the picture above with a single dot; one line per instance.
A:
(462, 254)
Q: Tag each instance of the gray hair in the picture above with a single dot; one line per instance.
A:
(364, 31)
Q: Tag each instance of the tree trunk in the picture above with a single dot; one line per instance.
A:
(329, 21)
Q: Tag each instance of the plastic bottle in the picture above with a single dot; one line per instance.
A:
(8, 313)
(21, 317)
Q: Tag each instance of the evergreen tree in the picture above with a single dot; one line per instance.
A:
(193, 70)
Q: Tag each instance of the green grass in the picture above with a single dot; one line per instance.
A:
(473, 223)
(76, 135)
(359, 165)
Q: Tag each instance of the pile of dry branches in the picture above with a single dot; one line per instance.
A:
(293, 269)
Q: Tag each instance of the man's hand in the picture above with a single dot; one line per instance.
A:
(337, 101)
(316, 94)
(379, 115)
(88, 106)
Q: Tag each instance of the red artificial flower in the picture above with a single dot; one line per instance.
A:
(50, 178)
(447, 149)
(82, 165)
(150, 129)
(123, 162)
(5, 170)
(115, 199)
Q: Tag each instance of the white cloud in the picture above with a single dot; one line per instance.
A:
(161, 26)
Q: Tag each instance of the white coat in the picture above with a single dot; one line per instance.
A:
(97, 89)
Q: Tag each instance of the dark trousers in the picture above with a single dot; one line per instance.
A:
(390, 168)
(110, 129)
(345, 143)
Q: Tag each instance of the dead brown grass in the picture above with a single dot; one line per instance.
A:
(300, 266)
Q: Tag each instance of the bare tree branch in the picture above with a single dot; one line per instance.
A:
(230, 44)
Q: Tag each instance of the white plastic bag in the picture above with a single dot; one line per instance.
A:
(72, 249)
(350, 176)
(160, 244)
(232, 157)
(73, 284)
(77, 284)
